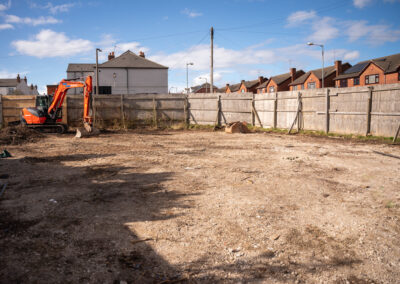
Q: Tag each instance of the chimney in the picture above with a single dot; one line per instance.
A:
(338, 67)
(293, 74)
(31, 86)
(261, 79)
(18, 78)
(111, 55)
(36, 87)
(141, 54)
(26, 81)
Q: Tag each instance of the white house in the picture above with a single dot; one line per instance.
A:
(126, 74)
(17, 87)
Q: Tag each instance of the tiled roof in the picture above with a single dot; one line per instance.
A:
(388, 64)
(235, 87)
(81, 67)
(129, 59)
(205, 85)
(329, 70)
(279, 79)
(8, 82)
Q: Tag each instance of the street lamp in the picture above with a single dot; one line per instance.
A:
(176, 89)
(206, 81)
(322, 47)
(187, 75)
(97, 70)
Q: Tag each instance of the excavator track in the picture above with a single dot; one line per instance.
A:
(52, 128)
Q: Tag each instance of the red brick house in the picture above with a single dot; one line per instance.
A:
(204, 88)
(313, 79)
(251, 86)
(280, 82)
(232, 88)
(383, 70)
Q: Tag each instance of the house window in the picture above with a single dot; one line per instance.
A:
(302, 86)
(343, 83)
(271, 89)
(356, 81)
(103, 90)
(242, 90)
(10, 90)
(311, 85)
(294, 88)
(372, 79)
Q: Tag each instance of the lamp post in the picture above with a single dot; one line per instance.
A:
(322, 47)
(97, 70)
(206, 81)
(187, 75)
(176, 89)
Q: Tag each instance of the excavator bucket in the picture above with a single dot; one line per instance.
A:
(86, 131)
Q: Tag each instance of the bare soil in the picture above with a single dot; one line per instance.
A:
(200, 207)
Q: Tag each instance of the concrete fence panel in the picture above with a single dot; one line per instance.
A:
(358, 110)
(203, 108)
(12, 106)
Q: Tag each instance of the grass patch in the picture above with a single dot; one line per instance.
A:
(391, 204)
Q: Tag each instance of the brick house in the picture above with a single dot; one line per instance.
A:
(251, 86)
(232, 88)
(280, 82)
(313, 79)
(383, 70)
(204, 88)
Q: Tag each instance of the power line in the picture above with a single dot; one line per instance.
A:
(277, 20)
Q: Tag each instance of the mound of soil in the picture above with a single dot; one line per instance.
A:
(15, 135)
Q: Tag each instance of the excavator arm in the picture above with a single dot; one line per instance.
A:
(61, 92)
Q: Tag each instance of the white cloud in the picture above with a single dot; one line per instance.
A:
(109, 44)
(4, 7)
(59, 8)
(191, 13)
(352, 55)
(6, 26)
(223, 58)
(300, 17)
(324, 30)
(361, 3)
(201, 79)
(374, 34)
(5, 74)
(48, 43)
(31, 21)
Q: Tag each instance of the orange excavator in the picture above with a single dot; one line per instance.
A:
(48, 111)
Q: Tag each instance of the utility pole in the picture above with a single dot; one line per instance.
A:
(97, 84)
(212, 61)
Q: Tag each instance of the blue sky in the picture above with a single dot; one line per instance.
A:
(252, 37)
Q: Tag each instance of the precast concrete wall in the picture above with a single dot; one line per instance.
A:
(129, 107)
(357, 110)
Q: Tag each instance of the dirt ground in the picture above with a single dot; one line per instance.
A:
(200, 207)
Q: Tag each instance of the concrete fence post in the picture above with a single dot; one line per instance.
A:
(155, 112)
(186, 111)
(253, 119)
(369, 108)
(1, 112)
(300, 108)
(327, 111)
(275, 122)
(122, 111)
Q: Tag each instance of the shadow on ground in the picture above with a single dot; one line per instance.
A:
(67, 223)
